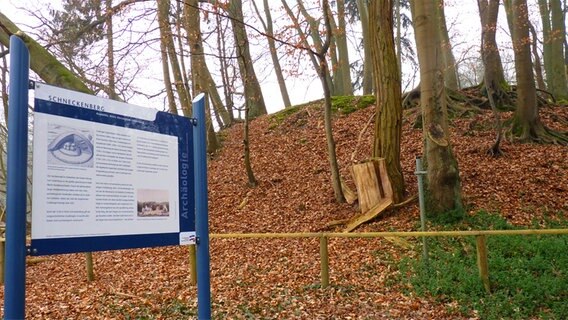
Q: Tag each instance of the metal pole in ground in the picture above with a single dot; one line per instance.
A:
(16, 184)
(201, 209)
(420, 172)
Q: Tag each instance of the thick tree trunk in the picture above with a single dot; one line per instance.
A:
(488, 14)
(443, 182)
(45, 65)
(388, 119)
(253, 93)
(526, 119)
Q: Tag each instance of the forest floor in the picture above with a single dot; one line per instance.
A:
(279, 278)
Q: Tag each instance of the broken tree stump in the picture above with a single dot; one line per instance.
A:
(374, 191)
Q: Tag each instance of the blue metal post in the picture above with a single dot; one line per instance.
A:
(16, 184)
(201, 209)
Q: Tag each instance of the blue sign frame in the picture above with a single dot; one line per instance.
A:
(164, 123)
(192, 188)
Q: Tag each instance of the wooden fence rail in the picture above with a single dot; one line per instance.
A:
(480, 236)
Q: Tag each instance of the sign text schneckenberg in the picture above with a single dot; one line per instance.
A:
(76, 103)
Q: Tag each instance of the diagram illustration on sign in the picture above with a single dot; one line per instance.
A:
(69, 146)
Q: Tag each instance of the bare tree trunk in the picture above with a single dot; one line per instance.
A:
(537, 62)
(201, 77)
(314, 34)
(450, 68)
(388, 118)
(224, 70)
(488, 14)
(166, 33)
(443, 181)
(269, 29)
(253, 93)
(324, 71)
(367, 64)
(493, 70)
(4, 82)
(248, 165)
(558, 83)
(526, 118)
(166, 70)
(110, 53)
(45, 65)
(343, 53)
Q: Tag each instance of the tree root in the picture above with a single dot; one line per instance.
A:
(539, 133)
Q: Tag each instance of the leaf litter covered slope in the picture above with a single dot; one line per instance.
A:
(279, 278)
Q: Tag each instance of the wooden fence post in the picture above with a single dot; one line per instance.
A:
(324, 262)
(90, 267)
(2, 255)
(192, 265)
(482, 261)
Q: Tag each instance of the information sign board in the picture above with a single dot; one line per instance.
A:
(108, 175)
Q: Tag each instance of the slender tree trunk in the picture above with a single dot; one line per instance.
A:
(269, 29)
(201, 77)
(558, 84)
(343, 53)
(314, 34)
(224, 69)
(248, 165)
(323, 72)
(4, 83)
(494, 78)
(443, 181)
(166, 70)
(537, 62)
(367, 64)
(110, 53)
(166, 33)
(388, 118)
(509, 14)
(488, 14)
(450, 68)
(253, 93)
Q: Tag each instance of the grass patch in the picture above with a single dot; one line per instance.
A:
(349, 104)
(528, 274)
(279, 117)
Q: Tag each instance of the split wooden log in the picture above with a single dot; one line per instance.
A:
(374, 191)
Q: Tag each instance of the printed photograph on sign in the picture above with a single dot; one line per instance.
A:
(153, 203)
(70, 146)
